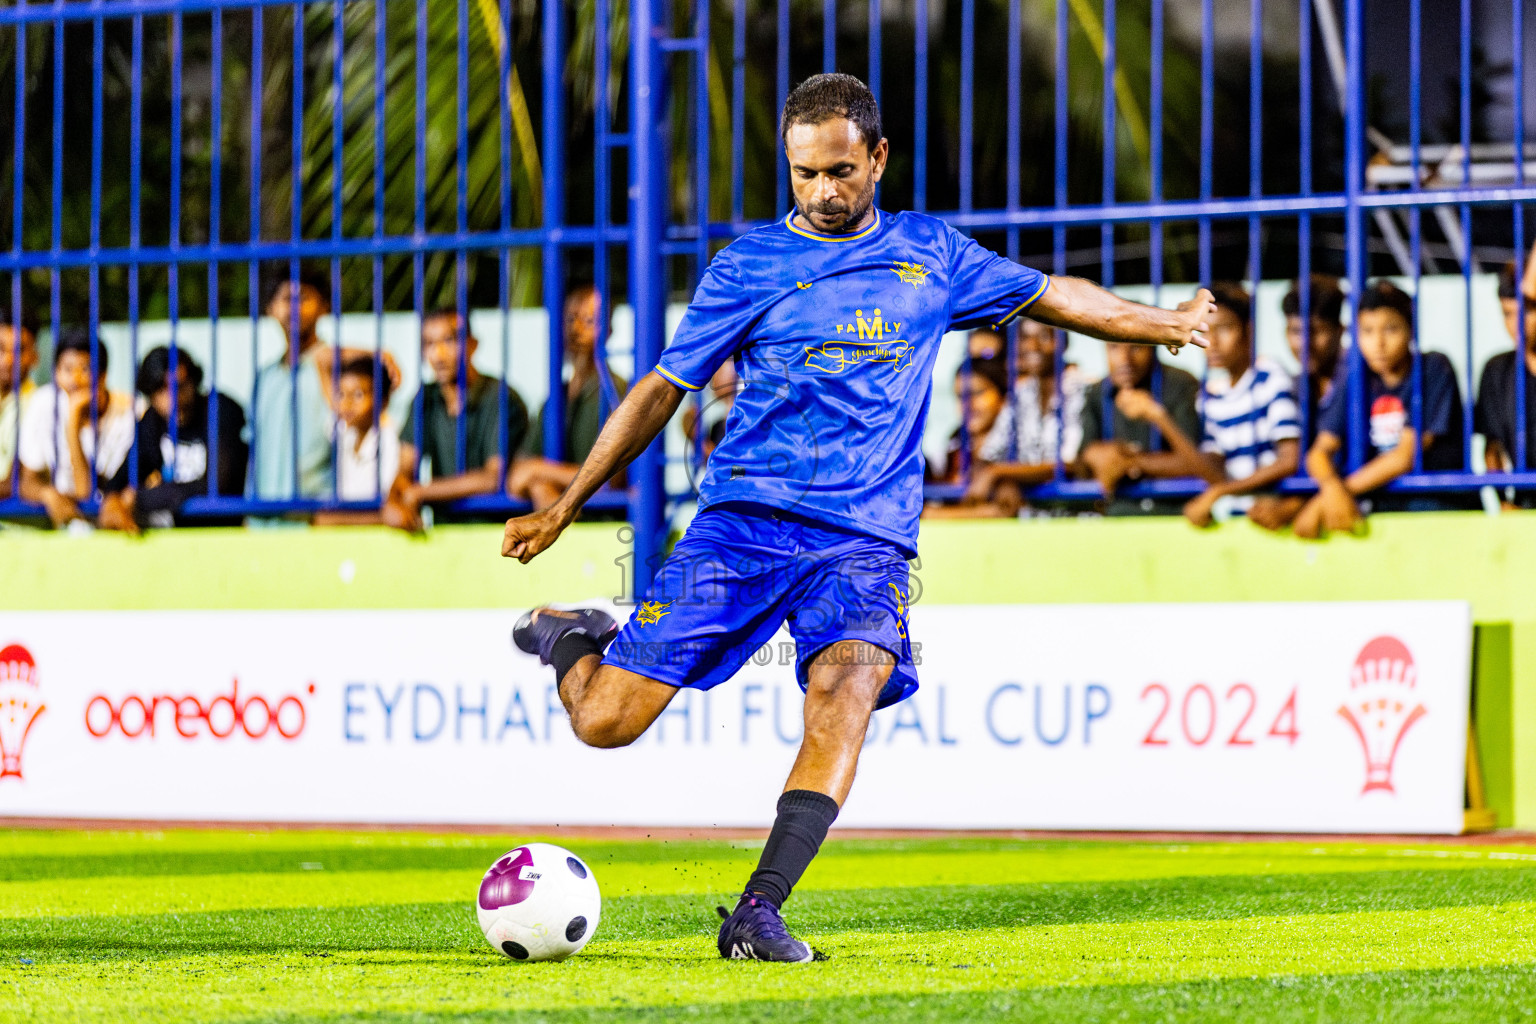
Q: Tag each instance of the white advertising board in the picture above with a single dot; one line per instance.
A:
(1348, 717)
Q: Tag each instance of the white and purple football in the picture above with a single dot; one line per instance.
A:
(539, 902)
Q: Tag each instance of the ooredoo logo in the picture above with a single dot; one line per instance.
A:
(254, 715)
(19, 706)
(1382, 706)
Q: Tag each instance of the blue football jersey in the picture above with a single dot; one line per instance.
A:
(834, 340)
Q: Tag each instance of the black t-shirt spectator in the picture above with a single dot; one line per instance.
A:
(1179, 394)
(1391, 410)
(183, 467)
(1495, 416)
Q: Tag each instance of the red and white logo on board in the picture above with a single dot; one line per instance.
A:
(20, 704)
(1382, 706)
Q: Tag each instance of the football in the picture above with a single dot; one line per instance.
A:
(539, 902)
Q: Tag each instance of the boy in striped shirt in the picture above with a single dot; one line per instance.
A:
(1251, 438)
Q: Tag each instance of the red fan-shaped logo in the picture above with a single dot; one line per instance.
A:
(1382, 706)
(19, 705)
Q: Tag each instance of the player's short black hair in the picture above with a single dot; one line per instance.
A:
(1386, 295)
(310, 276)
(993, 371)
(78, 339)
(821, 98)
(366, 366)
(1232, 297)
(1325, 299)
(1509, 281)
(28, 321)
(155, 370)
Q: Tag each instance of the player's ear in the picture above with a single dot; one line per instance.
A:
(879, 156)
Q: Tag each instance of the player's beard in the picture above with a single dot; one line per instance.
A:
(855, 213)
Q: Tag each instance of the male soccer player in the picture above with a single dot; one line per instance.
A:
(810, 503)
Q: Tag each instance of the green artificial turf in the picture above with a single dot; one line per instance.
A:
(227, 925)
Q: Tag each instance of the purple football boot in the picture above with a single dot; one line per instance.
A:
(539, 628)
(755, 931)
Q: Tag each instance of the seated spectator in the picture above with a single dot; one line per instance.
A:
(61, 462)
(1325, 372)
(276, 439)
(18, 357)
(723, 388)
(1129, 450)
(1049, 426)
(981, 389)
(1325, 303)
(173, 470)
(985, 343)
(486, 403)
(1496, 415)
(1391, 441)
(534, 478)
(367, 449)
(1250, 438)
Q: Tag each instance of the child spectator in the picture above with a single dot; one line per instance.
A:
(541, 481)
(1326, 304)
(61, 461)
(18, 357)
(367, 449)
(1386, 346)
(171, 471)
(1129, 450)
(1250, 439)
(1045, 423)
(278, 439)
(1496, 415)
(486, 404)
(981, 390)
(1324, 375)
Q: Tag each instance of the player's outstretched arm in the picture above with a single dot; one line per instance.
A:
(1082, 306)
(631, 428)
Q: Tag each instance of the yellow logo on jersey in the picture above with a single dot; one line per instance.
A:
(837, 356)
(651, 612)
(803, 285)
(914, 274)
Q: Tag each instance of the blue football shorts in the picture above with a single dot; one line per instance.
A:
(739, 572)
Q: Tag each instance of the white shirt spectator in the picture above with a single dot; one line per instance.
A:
(10, 410)
(365, 472)
(1040, 429)
(44, 442)
(1244, 420)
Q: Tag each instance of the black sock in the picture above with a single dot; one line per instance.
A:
(804, 817)
(570, 649)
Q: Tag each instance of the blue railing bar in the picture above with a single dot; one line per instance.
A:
(781, 93)
(967, 102)
(608, 393)
(1107, 230)
(701, 132)
(173, 282)
(1207, 102)
(680, 44)
(1354, 223)
(739, 109)
(215, 228)
(919, 107)
(874, 48)
(618, 140)
(135, 183)
(296, 231)
(1155, 154)
(1011, 186)
(828, 36)
(1517, 58)
(252, 273)
(1416, 91)
(553, 280)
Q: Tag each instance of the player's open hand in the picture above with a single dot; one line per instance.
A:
(1194, 320)
(527, 535)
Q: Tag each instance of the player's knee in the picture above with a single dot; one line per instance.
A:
(605, 728)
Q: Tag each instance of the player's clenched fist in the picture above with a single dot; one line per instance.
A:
(1194, 315)
(527, 535)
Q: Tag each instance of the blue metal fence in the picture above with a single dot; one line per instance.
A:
(671, 99)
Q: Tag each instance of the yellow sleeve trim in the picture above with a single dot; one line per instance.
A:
(675, 379)
(1021, 307)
